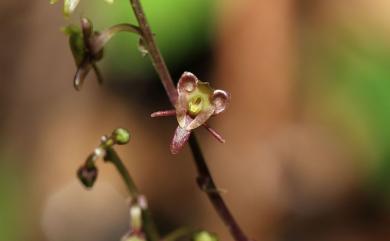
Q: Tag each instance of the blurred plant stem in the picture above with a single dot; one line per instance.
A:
(206, 183)
(204, 179)
(154, 52)
(148, 223)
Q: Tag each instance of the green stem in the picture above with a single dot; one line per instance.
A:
(112, 156)
(148, 223)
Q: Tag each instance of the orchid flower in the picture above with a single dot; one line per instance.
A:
(84, 54)
(87, 46)
(196, 103)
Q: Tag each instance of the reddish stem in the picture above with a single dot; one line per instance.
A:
(154, 52)
(204, 178)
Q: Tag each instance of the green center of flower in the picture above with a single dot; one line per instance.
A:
(195, 105)
(199, 99)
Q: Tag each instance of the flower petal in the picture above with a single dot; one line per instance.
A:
(86, 27)
(201, 118)
(181, 110)
(179, 139)
(98, 74)
(80, 75)
(220, 100)
(181, 136)
(187, 83)
(163, 113)
(214, 133)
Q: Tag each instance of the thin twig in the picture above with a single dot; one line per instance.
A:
(207, 184)
(205, 179)
(99, 41)
(154, 52)
(148, 224)
(112, 156)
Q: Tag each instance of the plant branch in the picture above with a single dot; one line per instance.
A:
(112, 156)
(154, 52)
(204, 179)
(207, 184)
(100, 41)
(148, 224)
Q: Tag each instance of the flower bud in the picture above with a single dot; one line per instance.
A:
(87, 173)
(136, 217)
(121, 136)
(142, 47)
(205, 236)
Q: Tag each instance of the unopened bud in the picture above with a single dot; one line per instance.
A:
(121, 136)
(142, 47)
(136, 217)
(87, 173)
(205, 236)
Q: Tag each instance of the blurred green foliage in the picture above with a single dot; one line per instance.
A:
(181, 27)
(12, 197)
(353, 92)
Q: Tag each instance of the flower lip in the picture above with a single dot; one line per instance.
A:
(195, 105)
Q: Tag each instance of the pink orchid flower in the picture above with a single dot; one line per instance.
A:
(196, 103)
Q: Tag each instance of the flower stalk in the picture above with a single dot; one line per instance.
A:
(149, 226)
(154, 52)
(141, 225)
(205, 180)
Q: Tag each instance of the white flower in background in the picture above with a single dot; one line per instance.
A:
(71, 5)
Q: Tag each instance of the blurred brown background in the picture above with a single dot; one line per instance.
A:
(307, 154)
